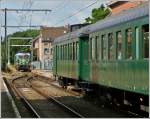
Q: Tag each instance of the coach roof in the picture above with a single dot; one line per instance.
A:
(128, 15)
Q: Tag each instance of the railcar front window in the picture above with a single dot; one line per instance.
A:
(110, 46)
(104, 46)
(26, 56)
(146, 40)
(119, 45)
(129, 43)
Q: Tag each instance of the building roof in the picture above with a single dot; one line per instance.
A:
(36, 38)
(119, 6)
(114, 3)
(50, 33)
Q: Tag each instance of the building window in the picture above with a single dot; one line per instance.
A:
(145, 30)
(129, 43)
(110, 46)
(46, 51)
(104, 46)
(119, 45)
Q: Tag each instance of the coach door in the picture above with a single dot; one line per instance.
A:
(84, 66)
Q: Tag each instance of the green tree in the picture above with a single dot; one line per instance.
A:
(98, 14)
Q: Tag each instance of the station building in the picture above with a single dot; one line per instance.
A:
(42, 46)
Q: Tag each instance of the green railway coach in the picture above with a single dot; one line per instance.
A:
(110, 56)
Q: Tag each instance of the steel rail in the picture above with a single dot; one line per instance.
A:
(71, 92)
(24, 100)
(51, 98)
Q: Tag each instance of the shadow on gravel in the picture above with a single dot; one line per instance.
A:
(90, 110)
(6, 107)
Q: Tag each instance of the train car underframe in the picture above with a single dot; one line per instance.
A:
(110, 96)
(120, 98)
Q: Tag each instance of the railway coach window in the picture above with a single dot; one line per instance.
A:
(63, 52)
(74, 51)
(93, 49)
(60, 52)
(77, 50)
(70, 51)
(129, 43)
(104, 46)
(119, 45)
(90, 49)
(110, 46)
(67, 51)
(137, 42)
(145, 29)
(57, 50)
(97, 48)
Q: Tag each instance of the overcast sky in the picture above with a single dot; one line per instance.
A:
(61, 9)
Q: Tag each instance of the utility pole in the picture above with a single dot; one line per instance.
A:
(7, 50)
(5, 35)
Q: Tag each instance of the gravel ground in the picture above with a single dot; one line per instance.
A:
(76, 102)
(7, 110)
(79, 104)
(44, 107)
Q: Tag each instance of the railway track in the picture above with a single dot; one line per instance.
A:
(47, 107)
(36, 86)
(44, 100)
